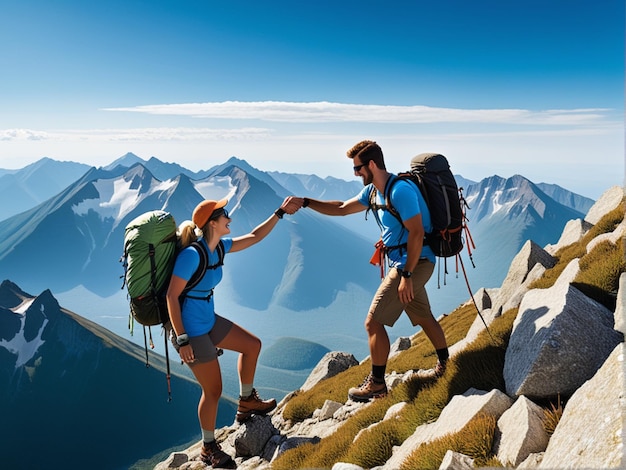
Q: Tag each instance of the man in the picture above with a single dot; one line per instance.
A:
(410, 263)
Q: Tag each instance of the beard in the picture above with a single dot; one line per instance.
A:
(368, 177)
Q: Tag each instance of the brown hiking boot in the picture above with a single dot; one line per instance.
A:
(367, 390)
(213, 455)
(431, 374)
(253, 405)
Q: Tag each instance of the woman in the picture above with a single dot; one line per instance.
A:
(198, 331)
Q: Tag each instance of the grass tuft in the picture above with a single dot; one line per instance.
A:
(475, 441)
(552, 415)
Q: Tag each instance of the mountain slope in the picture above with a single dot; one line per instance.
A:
(25, 188)
(567, 198)
(86, 388)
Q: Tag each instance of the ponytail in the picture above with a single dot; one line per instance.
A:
(187, 234)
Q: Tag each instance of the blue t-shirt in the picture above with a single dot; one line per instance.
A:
(198, 315)
(408, 201)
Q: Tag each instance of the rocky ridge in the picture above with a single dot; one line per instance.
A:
(562, 341)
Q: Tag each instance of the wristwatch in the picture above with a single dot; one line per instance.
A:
(182, 340)
(406, 274)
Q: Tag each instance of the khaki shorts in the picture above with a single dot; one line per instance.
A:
(204, 349)
(386, 306)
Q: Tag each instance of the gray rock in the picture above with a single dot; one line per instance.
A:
(293, 442)
(516, 283)
(456, 461)
(590, 432)
(252, 436)
(327, 410)
(611, 198)
(520, 432)
(559, 340)
(401, 344)
(346, 466)
(532, 461)
(574, 230)
(330, 365)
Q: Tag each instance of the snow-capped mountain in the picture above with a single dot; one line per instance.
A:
(80, 384)
(76, 237)
(504, 214)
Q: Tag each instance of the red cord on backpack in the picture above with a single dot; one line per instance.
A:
(378, 258)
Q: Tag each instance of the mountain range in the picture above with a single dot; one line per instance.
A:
(318, 266)
(74, 237)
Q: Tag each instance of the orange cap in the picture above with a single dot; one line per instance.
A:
(203, 211)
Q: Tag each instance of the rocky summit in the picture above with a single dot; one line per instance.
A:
(562, 342)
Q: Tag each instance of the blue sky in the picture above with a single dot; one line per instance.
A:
(501, 88)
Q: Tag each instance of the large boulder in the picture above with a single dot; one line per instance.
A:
(590, 432)
(559, 340)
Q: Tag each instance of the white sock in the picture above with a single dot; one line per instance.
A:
(245, 390)
(208, 436)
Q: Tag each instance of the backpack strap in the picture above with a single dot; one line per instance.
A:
(393, 179)
(203, 266)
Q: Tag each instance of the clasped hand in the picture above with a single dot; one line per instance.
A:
(292, 204)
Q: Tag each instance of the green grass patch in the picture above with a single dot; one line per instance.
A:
(606, 224)
(475, 441)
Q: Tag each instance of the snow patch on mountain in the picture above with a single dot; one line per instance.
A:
(215, 188)
(501, 204)
(118, 197)
(23, 349)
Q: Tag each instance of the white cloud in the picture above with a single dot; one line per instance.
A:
(323, 111)
(137, 134)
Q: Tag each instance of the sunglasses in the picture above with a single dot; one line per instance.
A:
(358, 167)
(217, 213)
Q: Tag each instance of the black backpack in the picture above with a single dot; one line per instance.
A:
(430, 172)
(444, 200)
(150, 250)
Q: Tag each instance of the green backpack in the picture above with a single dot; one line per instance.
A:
(150, 250)
(149, 255)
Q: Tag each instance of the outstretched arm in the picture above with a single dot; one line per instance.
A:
(351, 206)
(289, 206)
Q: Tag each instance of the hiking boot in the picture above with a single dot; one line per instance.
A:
(213, 455)
(253, 405)
(431, 374)
(367, 390)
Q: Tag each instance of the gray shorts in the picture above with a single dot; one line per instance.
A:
(204, 346)
(386, 306)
